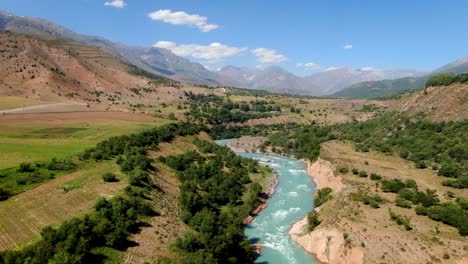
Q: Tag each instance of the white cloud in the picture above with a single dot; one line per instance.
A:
(116, 3)
(367, 69)
(268, 55)
(309, 65)
(348, 46)
(182, 18)
(211, 53)
(333, 68)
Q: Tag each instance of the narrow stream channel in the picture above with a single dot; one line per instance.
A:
(292, 200)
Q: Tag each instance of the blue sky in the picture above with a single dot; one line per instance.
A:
(303, 36)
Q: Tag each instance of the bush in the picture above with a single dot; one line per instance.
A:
(400, 220)
(3, 195)
(343, 170)
(402, 202)
(374, 201)
(313, 220)
(375, 177)
(323, 195)
(25, 167)
(355, 171)
(109, 177)
(421, 210)
(362, 173)
(442, 79)
(392, 185)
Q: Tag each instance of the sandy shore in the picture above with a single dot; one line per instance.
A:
(327, 244)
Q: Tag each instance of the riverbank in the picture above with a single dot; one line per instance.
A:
(263, 200)
(351, 231)
(327, 245)
(290, 197)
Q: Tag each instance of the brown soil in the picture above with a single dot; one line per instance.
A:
(60, 119)
(439, 103)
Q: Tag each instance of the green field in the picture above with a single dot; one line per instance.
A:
(20, 143)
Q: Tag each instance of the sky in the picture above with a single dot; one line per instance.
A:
(302, 36)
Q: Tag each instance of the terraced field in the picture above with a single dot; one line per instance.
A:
(23, 216)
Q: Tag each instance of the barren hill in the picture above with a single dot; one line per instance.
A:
(439, 103)
(58, 70)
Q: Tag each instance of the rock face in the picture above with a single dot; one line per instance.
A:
(327, 245)
(322, 173)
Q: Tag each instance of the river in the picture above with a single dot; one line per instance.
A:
(292, 200)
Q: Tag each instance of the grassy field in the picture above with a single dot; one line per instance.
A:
(31, 140)
(24, 215)
(10, 102)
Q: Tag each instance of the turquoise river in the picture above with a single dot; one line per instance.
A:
(292, 200)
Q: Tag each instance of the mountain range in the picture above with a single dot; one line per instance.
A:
(337, 82)
(392, 87)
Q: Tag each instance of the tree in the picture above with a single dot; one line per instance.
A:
(109, 177)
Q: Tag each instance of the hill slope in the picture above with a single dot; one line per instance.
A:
(58, 70)
(439, 103)
(155, 60)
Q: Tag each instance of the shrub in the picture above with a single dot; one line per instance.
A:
(402, 202)
(3, 195)
(400, 220)
(392, 185)
(355, 171)
(109, 177)
(343, 170)
(420, 164)
(313, 220)
(375, 177)
(25, 167)
(362, 173)
(323, 195)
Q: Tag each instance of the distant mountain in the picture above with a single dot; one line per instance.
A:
(155, 60)
(335, 80)
(164, 62)
(392, 87)
(456, 67)
(274, 79)
(383, 88)
(279, 80)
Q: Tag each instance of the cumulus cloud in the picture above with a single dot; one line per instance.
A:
(268, 55)
(211, 53)
(309, 65)
(182, 18)
(348, 46)
(116, 3)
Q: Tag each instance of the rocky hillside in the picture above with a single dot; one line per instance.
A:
(53, 69)
(442, 103)
(155, 60)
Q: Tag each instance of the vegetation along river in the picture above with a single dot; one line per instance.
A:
(292, 200)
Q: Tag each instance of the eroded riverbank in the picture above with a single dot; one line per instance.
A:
(292, 200)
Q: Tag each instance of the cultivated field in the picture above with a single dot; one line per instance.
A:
(23, 216)
(40, 137)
